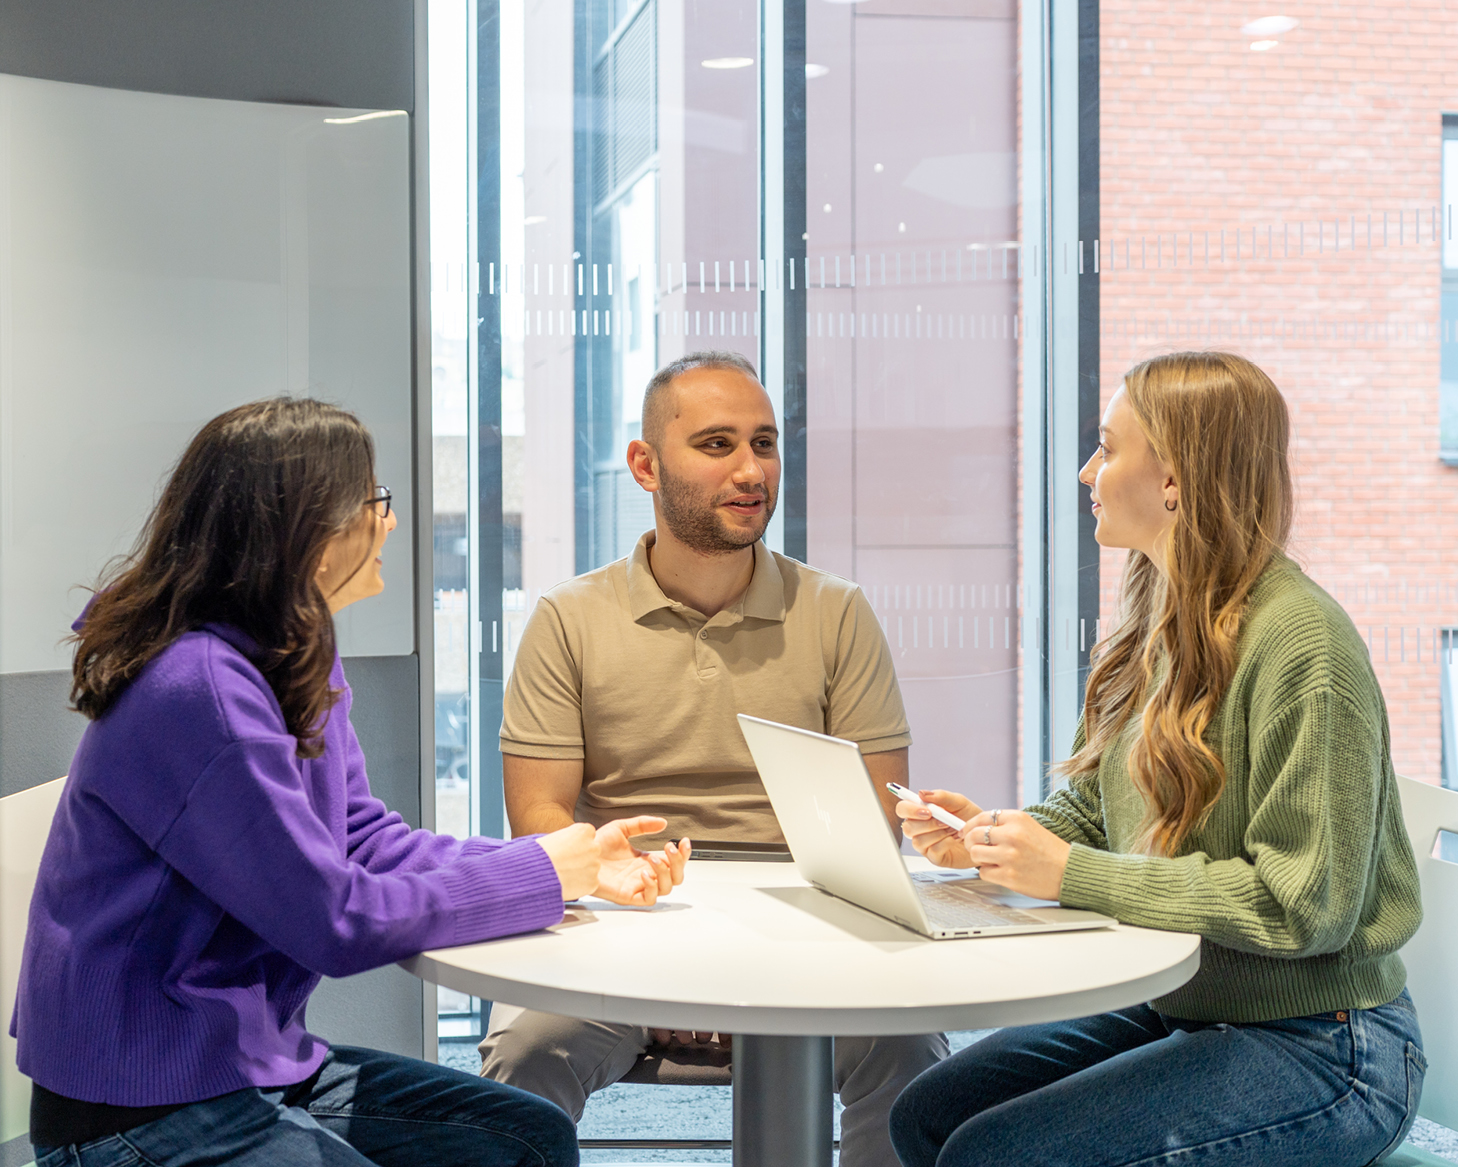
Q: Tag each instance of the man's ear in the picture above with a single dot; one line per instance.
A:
(643, 464)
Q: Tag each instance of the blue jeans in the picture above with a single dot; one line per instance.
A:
(365, 1107)
(1136, 1088)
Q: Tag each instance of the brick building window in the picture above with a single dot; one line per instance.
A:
(1267, 202)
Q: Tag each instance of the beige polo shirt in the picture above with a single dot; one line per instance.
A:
(645, 690)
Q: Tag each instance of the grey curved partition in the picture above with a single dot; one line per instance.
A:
(201, 205)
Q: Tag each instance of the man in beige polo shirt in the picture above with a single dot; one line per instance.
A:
(623, 697)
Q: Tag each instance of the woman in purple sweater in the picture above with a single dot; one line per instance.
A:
(217, 847)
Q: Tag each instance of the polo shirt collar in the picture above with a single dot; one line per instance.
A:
(764, 599)
(644, 594)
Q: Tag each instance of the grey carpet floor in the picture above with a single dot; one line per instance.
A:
(705, 1112)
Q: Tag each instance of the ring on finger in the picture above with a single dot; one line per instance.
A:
(987, 836)
(995, 816)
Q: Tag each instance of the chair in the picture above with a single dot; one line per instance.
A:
(1431, 957)
(697, 1067)
(25, 822)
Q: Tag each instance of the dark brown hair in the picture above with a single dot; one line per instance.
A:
(237, 538)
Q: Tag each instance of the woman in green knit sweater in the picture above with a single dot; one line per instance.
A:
(1232, 777)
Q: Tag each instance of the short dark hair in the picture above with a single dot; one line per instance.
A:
(655, 400)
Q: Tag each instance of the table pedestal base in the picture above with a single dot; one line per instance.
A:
(782, 1101)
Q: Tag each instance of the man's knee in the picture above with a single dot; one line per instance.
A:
(864, 1065)
(562, 1059)
(523, 1040)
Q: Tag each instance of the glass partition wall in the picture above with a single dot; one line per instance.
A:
(452, 334)
(912, 337)
(831, 189)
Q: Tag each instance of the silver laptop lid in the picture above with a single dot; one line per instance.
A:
(832, 818)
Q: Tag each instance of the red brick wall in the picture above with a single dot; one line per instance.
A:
(1341, 121)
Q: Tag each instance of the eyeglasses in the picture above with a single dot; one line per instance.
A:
(380, 500)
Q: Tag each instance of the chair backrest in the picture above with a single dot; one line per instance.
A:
(1432, 955)
(25, 822)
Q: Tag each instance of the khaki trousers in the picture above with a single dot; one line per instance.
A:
(565, 1059)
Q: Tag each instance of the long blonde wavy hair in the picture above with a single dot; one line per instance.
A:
(1221, 426)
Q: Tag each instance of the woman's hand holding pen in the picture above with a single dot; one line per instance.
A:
(938, 842)
(1007, 847)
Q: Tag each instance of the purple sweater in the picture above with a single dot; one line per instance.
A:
(199, 877)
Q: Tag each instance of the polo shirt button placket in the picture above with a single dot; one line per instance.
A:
(708, 664)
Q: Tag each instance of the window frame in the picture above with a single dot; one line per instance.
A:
(1061, 393)
(1448, 295)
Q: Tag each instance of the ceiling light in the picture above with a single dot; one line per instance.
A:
(901, 226)
(814, 71)
(728, 62)
(878, 168)
(530, 220)
(1269, 26)
(365, 117)
(1263, 46)
(827, 208)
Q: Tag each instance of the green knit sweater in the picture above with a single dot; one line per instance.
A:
(1301, 882)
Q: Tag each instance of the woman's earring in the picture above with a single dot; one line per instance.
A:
(1172, 506)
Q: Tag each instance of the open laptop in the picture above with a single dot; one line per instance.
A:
(841, 843)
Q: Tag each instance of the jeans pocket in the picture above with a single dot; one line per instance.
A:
(142, 1159)
(1417, 1067)
(107, 1151)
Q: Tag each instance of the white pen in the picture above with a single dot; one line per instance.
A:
(942, 816)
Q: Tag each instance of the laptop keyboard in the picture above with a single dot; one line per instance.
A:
(950, 906)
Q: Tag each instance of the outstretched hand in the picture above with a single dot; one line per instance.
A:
(627, 875)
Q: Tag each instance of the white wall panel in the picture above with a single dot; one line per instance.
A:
(165, 258)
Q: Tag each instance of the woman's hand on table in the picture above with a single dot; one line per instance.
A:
(938, 842)
(604, 863)
(573, 852)
(1023, 855)
(630, 876)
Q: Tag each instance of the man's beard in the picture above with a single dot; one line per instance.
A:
(694, 519)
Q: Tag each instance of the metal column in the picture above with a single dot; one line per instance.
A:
(782, 1101)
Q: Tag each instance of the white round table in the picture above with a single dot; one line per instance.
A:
(751, 949)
